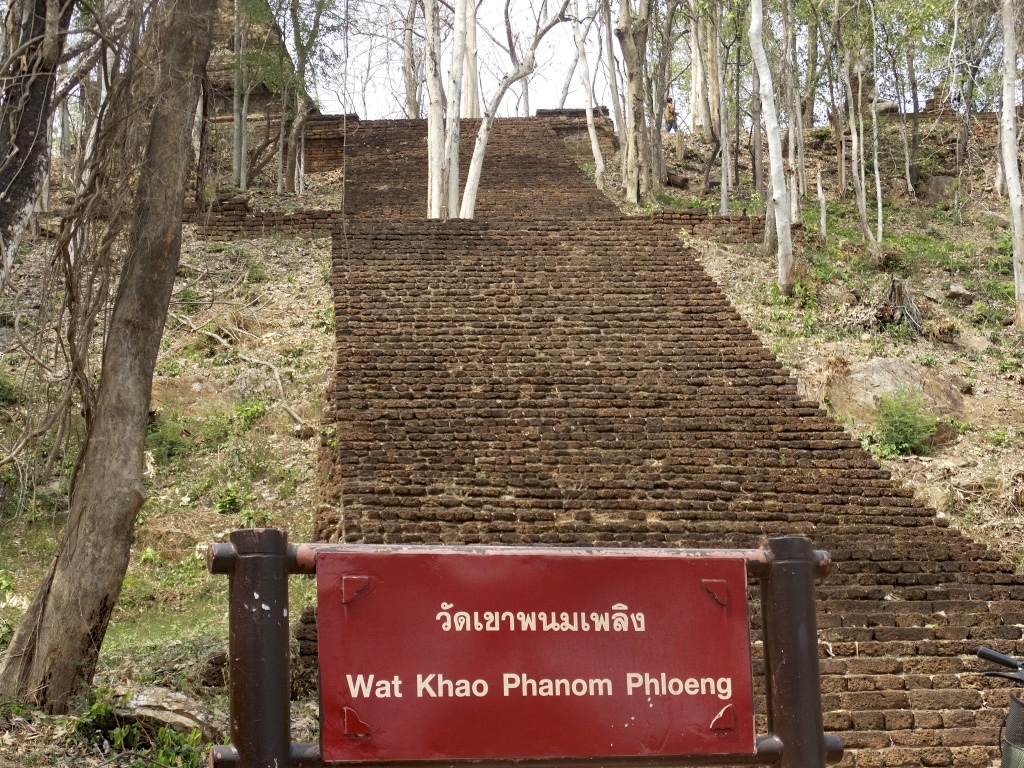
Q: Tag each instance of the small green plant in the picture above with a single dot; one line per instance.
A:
(10, 391)
(188, 300)
(903, 426)
(102, 726)
(982, 313)
(250, 518)
(1002, 437)
(324, 319)
(231, 500)
(6, 583)
(249, 412)
(960, 427)
(169, 368)
(166, 439)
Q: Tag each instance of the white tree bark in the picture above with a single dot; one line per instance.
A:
(723, 117)
(696, 75)
(780, 204)
(525, 68)
(471, 94)
(856, 157)
(588, 98)
(409, 64)
(874, 128)
(631, 31)
(1008, 144)
(613, 76)
(239, 86)
(822, 220)
(435, 111)
(453, 118)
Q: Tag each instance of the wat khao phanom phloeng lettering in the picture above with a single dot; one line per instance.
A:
(509, 655)
(513, 657)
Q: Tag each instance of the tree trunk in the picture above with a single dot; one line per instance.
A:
(435, 111)
(53, 654)
(453, 122)
(779, 204)
(409, 67)
(915, 117)
(723, 116)
(631, 32)
(581, 53)
(291, 171)
(1008, 144)
(756, 139)
(37, 31)
(613, 78)
(522, 71)
(822, 218)
(813, 75)
(471, 93)
(281, 140)
(700, 109)
(856, 158)
(243, 166)
(239, 86)
(874, 127)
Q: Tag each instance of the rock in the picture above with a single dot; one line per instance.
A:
(937, 297)
(854, 393)
(304, 431)
(678, 180)
(997, 219)
(155, 708)
(253, 381)
(215, 670)
(937, 189)
(958, 292)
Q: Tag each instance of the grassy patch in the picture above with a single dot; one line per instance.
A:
(903, 427)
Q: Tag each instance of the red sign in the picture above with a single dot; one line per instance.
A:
(430, 654)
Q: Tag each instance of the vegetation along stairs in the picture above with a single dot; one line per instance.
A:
(557, 373)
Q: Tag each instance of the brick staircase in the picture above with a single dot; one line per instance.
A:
(557, 373)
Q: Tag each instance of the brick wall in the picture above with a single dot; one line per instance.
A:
(565, 375)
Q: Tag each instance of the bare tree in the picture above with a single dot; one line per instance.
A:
(54, 651)
(435, 111)
(544, 25)
(631, 30)
(37, 31)
(779, 203)
(1010, 153)
(588, 96)
(410, 65)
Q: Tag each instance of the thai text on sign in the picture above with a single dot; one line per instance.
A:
(513, 654)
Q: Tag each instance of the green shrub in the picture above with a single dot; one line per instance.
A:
(249, 412)
(166, 440)
(102, 727)
(10, 391)
(231, 500)
(903, 426)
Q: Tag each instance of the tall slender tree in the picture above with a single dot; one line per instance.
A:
(779, 203)
(34, 39)
(1011, 153)
(53, 654)
(631, 30)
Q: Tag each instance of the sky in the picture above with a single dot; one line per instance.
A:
(371, 85)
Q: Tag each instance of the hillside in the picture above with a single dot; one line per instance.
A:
(252, 339)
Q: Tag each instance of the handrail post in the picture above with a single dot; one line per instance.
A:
(791, 653)
(256, 561)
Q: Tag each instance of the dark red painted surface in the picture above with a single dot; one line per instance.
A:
(430, 655)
